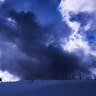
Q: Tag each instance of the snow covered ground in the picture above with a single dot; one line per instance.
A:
(49, 88)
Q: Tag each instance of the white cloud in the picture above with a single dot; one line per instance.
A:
(67, 6)
(88, 26)
(10, 22)
(9, 56)
(76, 41)
(7, 77)
(2, 0)
(77, 6)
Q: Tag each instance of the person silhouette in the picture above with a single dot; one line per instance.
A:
(0, 79)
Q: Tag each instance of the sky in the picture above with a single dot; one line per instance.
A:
(43, 39)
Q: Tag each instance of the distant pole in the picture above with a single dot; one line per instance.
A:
(62, 76)
(94, 77)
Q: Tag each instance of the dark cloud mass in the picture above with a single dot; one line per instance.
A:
(41, 8)
(30, 50)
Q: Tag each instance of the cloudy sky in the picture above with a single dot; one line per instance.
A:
(43, 38)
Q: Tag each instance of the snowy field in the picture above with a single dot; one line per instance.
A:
(49, 88)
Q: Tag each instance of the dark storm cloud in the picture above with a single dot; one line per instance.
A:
(33, 58)
(50, 65)
(41, 8)
(30, 32)
(30, 49)
(62, 61)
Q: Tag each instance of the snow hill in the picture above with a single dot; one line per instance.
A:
(49, 88)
